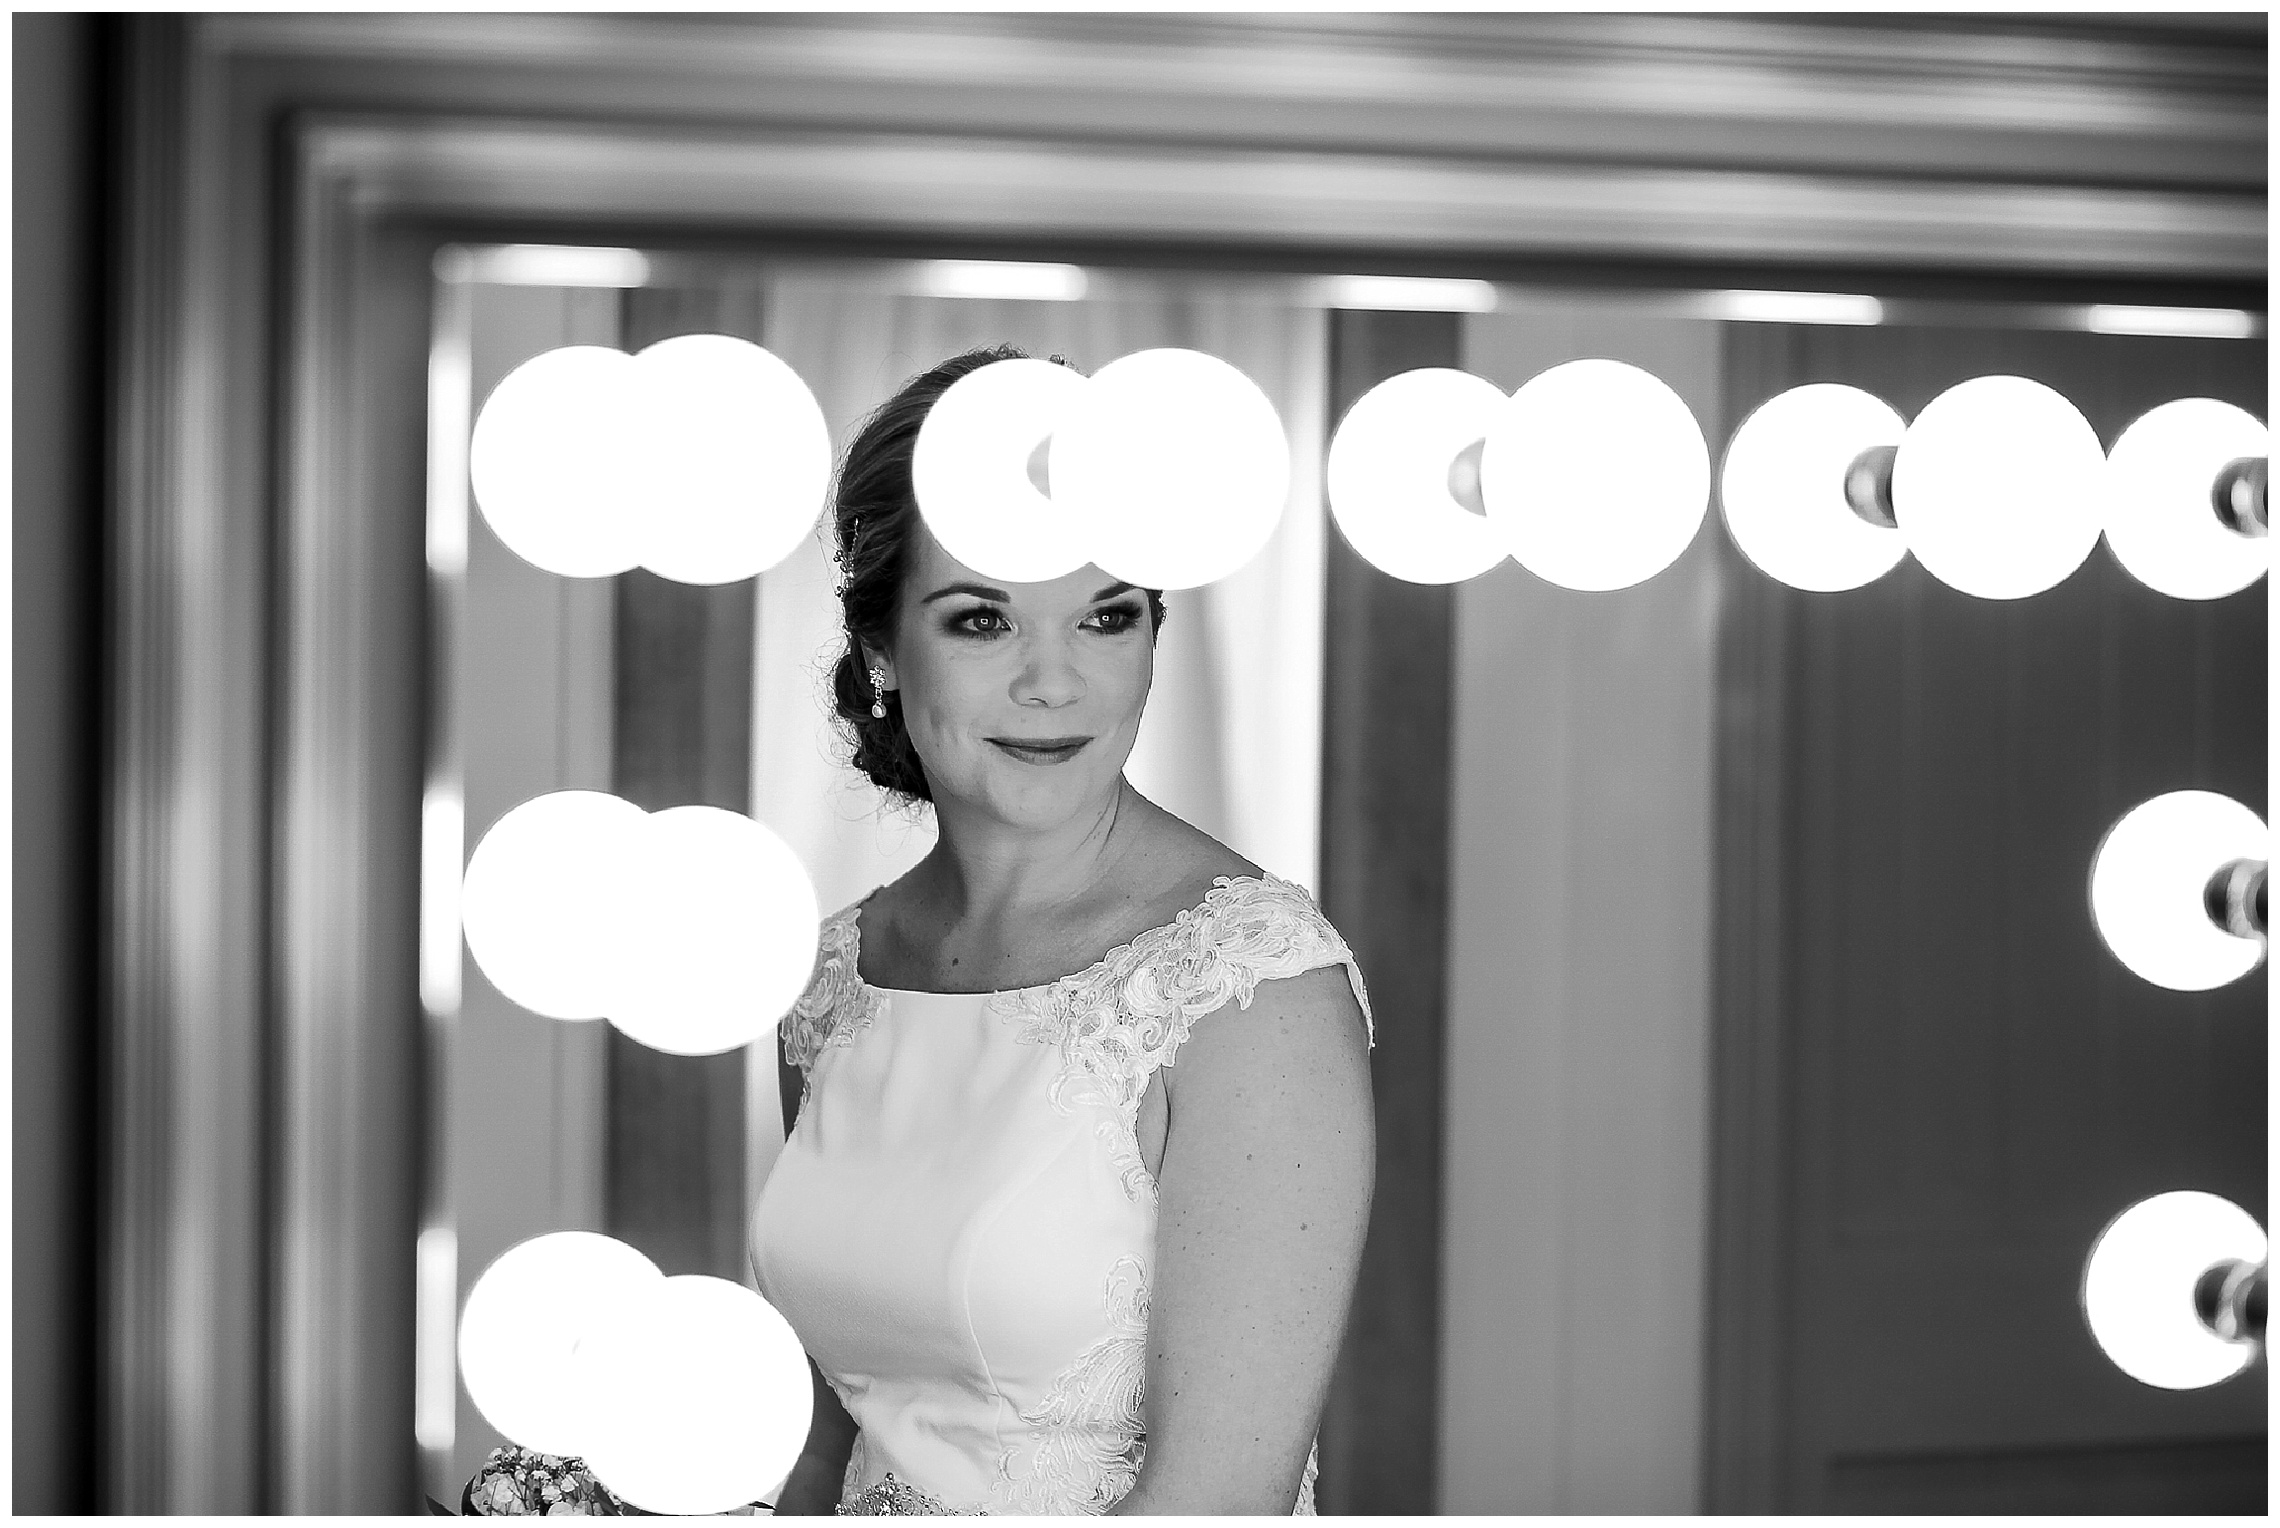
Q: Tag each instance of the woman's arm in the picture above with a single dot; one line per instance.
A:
(812, 1489)
(1262, 1204)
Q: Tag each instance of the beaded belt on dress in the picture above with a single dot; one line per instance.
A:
(897, 1498)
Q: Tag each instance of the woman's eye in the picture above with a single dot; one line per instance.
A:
(1120, 618)
(980, 621)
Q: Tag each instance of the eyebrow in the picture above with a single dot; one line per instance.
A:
(984, 591)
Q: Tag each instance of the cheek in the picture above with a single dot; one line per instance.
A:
(946, 696)
(1130, 678)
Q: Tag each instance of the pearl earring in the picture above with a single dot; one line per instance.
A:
(878, 693)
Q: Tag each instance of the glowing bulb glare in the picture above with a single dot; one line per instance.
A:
(1784, 492)
(970, 472)
(543, 900)
(522, 1324)
(1999, 487)
(553, 463)
(2160, 523)
(2147, 883)
(721, 937)
(1596, 476)
(1176, 465)
(2137, 1288)
(734, 456)
(1388, 475)
(699, 1395)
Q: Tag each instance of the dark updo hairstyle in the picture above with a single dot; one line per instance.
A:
(873, 514)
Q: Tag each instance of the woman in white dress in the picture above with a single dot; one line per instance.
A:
(1037, 1266)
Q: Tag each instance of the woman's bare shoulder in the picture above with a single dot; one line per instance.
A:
(1181, 864)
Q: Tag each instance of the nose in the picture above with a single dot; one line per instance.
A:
(1047, 678)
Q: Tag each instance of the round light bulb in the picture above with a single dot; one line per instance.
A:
(555, 461)
(970, 472)
(734, 459)
(2147, 885)
(699, 1395)
(719, 932)
(1388, 475)
(522, 1324)
(1176, 466)
(2137, 1287)
(1783, 487)
(1596, 476)
(1999, 486)
(2159, 519)
(543, 901)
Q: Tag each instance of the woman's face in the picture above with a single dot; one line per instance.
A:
(1021, 699)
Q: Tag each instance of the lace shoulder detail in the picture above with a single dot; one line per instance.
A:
(834, 1008)
(1246, 931)
(1129, 1014)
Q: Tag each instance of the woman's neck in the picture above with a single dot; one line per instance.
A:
(985, 872)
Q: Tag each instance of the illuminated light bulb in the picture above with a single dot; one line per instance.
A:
(699, 1396)
(1176, 465)
(554, 461)
(2138, 1288)
(543, 900)
(2149, 887)
(735, 458)
(2160, 521)
(719, 932)
(1784, 487)
(1999, 485)
(522, 1325)
(1389, 470)
(1596, 475)
(970, 472)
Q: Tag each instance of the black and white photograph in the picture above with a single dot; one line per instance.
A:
(1157, 762)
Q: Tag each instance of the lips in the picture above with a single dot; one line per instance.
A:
(1041, 750)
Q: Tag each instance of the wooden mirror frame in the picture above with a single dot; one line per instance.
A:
(283, 182)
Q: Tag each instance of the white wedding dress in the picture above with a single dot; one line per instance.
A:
(961, 1228)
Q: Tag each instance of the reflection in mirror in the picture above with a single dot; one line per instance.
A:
(1701, 832)
(666, 693)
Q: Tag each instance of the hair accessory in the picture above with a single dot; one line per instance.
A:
(878, 693)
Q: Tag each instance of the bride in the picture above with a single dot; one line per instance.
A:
(1037, 1266)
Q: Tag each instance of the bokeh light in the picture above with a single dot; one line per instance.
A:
(704, 458)
(719, 935)
(1596, 475)
(1388, 475)
(1176, 464)
(699, 1394)
(2137, 1288)
(733, 458)
(2148, 880)
(523, 1322)
(970, 472)
(543, 900)
(2159, 520)
(1783, 487)
(554, 462)
(1999, 487)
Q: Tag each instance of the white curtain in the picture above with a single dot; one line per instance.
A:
(1232, 736)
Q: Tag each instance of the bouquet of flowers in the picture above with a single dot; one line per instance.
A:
(516, 1482)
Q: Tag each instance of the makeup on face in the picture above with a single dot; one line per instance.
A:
(1022, 696)
(1046, 751)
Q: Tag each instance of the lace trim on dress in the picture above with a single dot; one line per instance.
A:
(836, 1007)
(1087, 1430)
(1120, 1020)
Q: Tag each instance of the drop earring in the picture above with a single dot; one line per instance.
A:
(878, 693)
